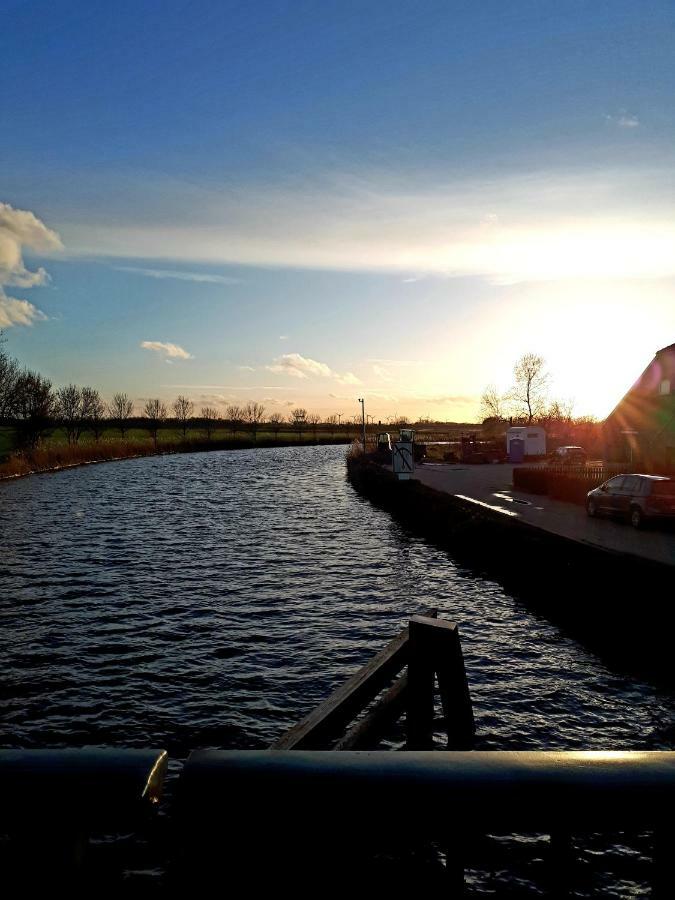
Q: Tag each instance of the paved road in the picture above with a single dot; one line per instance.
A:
(492, 486)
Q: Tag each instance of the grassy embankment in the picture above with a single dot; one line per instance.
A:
(56, 453)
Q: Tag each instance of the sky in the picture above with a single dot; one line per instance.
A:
(304, 203)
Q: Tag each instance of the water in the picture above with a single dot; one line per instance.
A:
(211, 600)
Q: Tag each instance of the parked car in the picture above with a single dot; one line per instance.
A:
(569, 456)
(635, 497)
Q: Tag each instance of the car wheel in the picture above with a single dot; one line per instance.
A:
(636, 517)
(591, 508)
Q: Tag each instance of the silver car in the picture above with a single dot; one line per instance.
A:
(634, 497)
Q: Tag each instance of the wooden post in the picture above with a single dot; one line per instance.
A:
(420, 721)
(561, 863)
(454, 688)
(662, 877)
(435, 649)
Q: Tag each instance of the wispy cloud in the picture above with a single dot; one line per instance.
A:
(298, 366)
(535, 226)
(167, 350)
(20, 228)
(623, 120)
(180, 276)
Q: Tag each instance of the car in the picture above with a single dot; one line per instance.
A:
(638, 498)
(572, 456)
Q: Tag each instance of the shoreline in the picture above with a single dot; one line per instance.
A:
(616, 604)
(177, 448)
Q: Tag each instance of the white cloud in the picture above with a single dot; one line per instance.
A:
(601, 223)
(382, 373)
(298, 366)
(246, 368)
(348, 378)
(169, 351)
(283, 337)
(20, 228)
(180, 276)
(18, 312)
(623, 120)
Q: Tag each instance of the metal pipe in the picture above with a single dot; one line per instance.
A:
(430, 791)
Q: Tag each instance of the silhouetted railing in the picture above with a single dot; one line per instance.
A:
(330, 815)
(429, 648)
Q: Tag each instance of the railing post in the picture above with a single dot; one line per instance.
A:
(435, 649)
(420, 719)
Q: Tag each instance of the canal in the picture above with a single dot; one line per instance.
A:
(212, 599)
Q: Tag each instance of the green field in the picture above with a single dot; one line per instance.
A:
(171, 436)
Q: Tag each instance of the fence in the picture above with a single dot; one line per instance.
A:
(570, 483)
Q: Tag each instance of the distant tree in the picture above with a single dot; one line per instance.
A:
(491, 404)
(34, 407)
(70, 411)
(235, 415)
(276, 421)
(299, 419)
(120, 411)
(93, 412)
(209, 419)
(182, 410)
(313, 419)
(253, 416)
(154, 412)
(530, 388)
(9, 376)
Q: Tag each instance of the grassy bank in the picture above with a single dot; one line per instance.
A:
(590, 592)
(56, 454)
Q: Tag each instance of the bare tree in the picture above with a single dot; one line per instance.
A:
(34, 407)
(70, 411)
(531, 381)
(155, 413)
(9, 376)
(93, 412)
(235, 415)
(209, 419)
(253, 416)
(299, 416)
(313, 419)
(491, 404)
(182, 410)
(276, 420)
(120, 411)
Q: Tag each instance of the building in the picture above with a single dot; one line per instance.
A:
(641, 429)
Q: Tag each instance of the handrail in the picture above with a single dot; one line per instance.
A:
(425, 791)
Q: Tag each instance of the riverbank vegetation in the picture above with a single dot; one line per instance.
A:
(43, 428)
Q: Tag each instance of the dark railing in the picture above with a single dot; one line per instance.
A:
(324, 811)
(430, 649)
(312, 814)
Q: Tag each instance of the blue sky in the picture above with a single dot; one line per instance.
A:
(307, 203)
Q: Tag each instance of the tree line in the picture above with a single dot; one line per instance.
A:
(29, 401)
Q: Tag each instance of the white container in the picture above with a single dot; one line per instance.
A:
(533, 436)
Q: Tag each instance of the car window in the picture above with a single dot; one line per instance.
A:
(631, 485)
(614, 484)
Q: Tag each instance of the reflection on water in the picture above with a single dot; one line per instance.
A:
(212, 599)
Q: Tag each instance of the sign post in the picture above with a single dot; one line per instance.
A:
(403, 460)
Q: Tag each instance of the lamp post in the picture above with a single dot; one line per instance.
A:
(363, 420)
